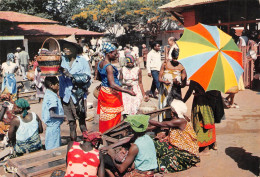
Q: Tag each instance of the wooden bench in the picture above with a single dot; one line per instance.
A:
(41, 163)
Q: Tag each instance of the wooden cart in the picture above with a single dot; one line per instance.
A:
(41, 163)
(122, 130)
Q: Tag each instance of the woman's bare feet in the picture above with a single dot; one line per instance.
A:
(214, 146)
(205, 152)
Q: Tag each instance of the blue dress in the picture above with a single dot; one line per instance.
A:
(9, 82)
(103, 75)
(52, 137)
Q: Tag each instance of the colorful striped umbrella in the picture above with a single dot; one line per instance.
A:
(210, 57)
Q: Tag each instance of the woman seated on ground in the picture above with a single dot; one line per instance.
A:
(131, 79)
(25, 129)
(179, 151)
(141, 152)
(83, 159)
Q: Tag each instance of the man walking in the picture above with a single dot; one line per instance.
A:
(173, 45)
(153, 67)
(24, 59)
(74, 83)
(17, 60)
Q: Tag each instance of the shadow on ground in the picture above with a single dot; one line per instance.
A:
(244, 159)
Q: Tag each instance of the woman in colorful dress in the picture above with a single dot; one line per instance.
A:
(179, 150)
(131, 77)
(9, 81)
(84, 159)
(172, 77)
(202, 116)
(110, 103)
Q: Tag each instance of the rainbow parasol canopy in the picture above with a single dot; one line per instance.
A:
(210, 57)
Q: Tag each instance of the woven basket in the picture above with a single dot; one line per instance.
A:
(49, 63)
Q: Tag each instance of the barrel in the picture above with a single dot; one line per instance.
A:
(49, 63)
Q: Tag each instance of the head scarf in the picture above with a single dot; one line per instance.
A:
(139, 123)
(10, 57)
(129, 59)
(108, 47)
(92, 137)
(22, 103)
(179, 107)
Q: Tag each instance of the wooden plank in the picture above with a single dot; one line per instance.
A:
(48, 172)
(122, 132)
(110, 139)
(40, 162)
(123, 127)
(34, 156)
(44, 167)
(118, 125)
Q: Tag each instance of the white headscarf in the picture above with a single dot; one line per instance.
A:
(179, 107)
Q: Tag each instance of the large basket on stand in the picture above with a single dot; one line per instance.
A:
(49, 62)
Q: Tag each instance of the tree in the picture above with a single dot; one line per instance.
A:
(135, 16)
(31, 7)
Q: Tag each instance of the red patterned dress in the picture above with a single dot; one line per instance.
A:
(81, 163)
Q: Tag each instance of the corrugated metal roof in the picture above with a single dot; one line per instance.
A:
(46, 29)
(185, 3)
(10, 16)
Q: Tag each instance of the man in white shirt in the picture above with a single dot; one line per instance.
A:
(153, 67)
(17, 60)
(173, 45)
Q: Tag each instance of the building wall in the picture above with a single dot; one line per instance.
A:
(189, 18)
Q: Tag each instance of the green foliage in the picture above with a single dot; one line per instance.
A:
(134, 15)
(31, 7)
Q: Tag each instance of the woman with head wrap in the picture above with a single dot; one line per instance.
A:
(84, 159)
(9, 81)
(179, 150)
(141, 152)
(25, 129)
(172, 78)
(110, 104)
(131, 78)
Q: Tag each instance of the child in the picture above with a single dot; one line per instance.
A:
(52, 113)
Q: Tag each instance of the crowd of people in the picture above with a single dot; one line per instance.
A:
(177, 142)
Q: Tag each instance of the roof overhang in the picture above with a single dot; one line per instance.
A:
(46, 30)
(179, 5)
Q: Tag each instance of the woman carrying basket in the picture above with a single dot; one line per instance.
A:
(110, 104)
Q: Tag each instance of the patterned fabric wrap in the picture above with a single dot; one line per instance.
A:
(9, 83)
(10, 57)
(129, 59)
(168, 92)
(138, 173)
(24, 104)
(30, 145)
(185, 139)
(110, 106)
(170, 159)
(131, 103)
(108, 47)
(203, 123)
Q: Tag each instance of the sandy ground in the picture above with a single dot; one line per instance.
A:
(238, 139)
